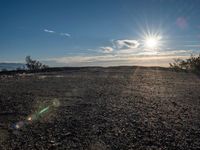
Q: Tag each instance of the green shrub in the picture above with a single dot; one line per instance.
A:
(190, 64)
(34, 64)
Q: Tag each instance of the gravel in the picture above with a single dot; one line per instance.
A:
(101, 108)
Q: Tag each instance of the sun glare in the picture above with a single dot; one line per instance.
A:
(151, 42)
(151, 39)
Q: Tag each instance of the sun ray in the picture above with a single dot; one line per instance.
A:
(152, 42)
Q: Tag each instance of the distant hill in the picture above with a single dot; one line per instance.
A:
(11, 66)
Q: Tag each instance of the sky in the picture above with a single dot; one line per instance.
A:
(99, 32)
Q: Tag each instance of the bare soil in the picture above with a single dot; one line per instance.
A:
(101, 108)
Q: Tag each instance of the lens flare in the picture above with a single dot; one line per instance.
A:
(19, 125)
(37, 115)
(44, 110)
(56, 102)
(29, 118)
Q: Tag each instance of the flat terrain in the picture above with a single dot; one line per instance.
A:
(101, 108)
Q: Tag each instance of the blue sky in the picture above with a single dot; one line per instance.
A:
(99, 32)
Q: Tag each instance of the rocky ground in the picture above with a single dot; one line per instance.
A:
(100, 108)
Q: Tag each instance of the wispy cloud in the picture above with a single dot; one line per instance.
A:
(162, 58)
(65, 34)
(126, 44)
(61, 34)
(106, 49)
(49, 31)
(121, 46)
(193, 45)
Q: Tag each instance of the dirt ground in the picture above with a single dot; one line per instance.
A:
(100, 108)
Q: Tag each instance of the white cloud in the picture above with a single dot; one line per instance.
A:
(106, 49)
(126, 44)
(49, 31)
(65, 34)
(162, 58)
(122, 46)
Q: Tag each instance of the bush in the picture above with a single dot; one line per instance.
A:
(190, 64)
(4, 69)
(34, 64)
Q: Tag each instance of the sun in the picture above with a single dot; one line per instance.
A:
(151, 42)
